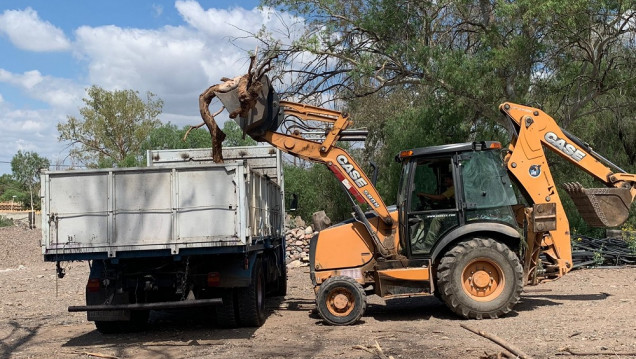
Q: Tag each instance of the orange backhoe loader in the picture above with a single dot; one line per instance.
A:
(457, 231)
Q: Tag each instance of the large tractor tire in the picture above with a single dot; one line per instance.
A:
(341, 300)
(480, 278)
(251, 299)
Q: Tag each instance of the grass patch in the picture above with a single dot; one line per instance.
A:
(5, 222)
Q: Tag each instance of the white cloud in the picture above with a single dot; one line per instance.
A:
(27, 31)
(29, 130)
(177, 63)
(221, 22)
(157, 10)
(57, 92)
(237, 23)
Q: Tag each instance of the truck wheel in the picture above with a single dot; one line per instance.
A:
(281, 283)
(480, 278)
(251, 299)
(110, 327)
(226, 313)
(138, 322)
(341, 300)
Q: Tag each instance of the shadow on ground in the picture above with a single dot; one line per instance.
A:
(175, 327)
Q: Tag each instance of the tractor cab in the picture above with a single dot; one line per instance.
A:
(444, 188)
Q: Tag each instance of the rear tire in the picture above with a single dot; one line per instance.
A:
(341, 300)
(281, 282)
(138, 322)
(251, 299)
(480, 278)
(226, 312)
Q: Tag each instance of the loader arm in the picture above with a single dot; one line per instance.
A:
(339, 162)
(335, 158)
(604, 207)
(262, 122)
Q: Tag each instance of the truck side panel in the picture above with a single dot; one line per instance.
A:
(166, 208)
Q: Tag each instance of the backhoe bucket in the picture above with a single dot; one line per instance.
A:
(601, 207)
(263, 116)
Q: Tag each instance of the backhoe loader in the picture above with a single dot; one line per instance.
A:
(475, 249)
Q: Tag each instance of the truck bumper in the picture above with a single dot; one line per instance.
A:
(148, 306)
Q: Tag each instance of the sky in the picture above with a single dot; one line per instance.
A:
(52, 51)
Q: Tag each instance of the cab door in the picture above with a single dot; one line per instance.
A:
(431, 207)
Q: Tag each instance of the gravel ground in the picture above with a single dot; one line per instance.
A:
(587, 311)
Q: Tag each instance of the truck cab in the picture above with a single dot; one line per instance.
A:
(446, 188)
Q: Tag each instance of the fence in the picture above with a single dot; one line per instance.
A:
(11, 206)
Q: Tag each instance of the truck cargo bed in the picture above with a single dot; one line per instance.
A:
(171, 209)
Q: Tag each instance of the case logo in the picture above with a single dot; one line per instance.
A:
(350, 169)
(564, 146)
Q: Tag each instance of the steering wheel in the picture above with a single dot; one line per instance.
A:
(425, 202)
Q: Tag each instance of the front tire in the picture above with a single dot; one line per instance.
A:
(341, 300)
(480, 278)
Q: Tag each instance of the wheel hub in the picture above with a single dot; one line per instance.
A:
(340, 302)
(483, 279)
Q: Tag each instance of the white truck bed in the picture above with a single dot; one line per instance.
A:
(170, 207)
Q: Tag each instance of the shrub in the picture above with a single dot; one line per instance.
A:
(5, 222)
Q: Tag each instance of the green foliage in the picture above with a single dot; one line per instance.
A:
(26, 167)
(113, 127)
(5, 222)
(317, 190)
(629, 235)
(9, 187)
(235, 137)
(169, 136)
(424, 73)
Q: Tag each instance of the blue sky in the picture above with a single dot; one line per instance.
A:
(51, 51)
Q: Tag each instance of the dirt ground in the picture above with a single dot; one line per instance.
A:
(588, 311)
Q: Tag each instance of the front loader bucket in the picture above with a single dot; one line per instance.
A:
(600, 207)
(262, 116)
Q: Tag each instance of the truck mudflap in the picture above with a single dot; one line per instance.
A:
(147, 306)
(600, 207)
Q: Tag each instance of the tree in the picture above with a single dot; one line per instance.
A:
(12, 190)
(26, 167)
(419, 73)
(169, 136)
(317, 189)
(235, 137)
(113, 126)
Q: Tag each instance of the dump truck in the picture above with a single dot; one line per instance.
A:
(458, 230)
(182, 232)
